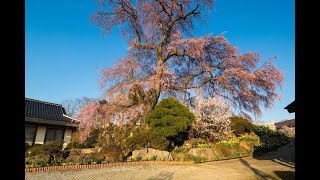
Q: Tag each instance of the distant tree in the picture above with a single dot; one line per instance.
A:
(170, 119)
(165, 58)
(73, 106)
(125, 109)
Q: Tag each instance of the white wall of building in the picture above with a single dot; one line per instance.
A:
(41, 134)
(67, 137)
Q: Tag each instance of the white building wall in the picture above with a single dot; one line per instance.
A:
(41, 134)
(67, 137)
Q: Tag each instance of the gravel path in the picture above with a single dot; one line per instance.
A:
(269, 167)
(245, 168)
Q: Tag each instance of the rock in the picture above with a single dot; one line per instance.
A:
(148, 153)
(74, 151)
(203, 152)
(139, 153)
(109, 153)
(179, 156)
(88, 151)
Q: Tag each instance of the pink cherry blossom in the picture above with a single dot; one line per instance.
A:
(165, 58)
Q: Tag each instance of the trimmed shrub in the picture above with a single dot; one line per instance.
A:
(143, 138)
(34, 150)
(171, 119)
(52, 147)
(240, 125)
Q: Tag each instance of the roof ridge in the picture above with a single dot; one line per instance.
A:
(45, 102)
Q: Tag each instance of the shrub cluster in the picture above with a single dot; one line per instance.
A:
(89, 143)
(240, 125)
(270, 140)
(144, 138)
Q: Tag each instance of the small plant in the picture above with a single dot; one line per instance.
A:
(251, 138)
(92, 159)
(138, 158)
(229, 143)
(180, 150)
(198, 143)
(72, 159)
(235, 155)
(40, 163)
(28, 162)
(196, 159)
(203, 145)
(58, 162)
(153, 158)
(39, 160)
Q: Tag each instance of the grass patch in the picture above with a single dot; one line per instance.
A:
(229, 143)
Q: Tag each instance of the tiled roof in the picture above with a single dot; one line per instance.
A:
(45, 110)
(289, 123)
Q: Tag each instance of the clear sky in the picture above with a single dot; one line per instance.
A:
(63, 49)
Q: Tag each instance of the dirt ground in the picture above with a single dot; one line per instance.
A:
(274, 165)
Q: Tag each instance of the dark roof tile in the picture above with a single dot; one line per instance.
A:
(45, 110)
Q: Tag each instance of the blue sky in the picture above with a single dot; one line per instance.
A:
(63, 49)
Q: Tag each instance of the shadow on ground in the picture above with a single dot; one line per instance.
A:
(164, 175)
(288, 175)
(284, 156)
(259, 174)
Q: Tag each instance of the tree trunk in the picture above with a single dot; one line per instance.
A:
(154, 93)
(158, 84)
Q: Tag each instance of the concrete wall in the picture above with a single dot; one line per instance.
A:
(67, 137)
(41, 134)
